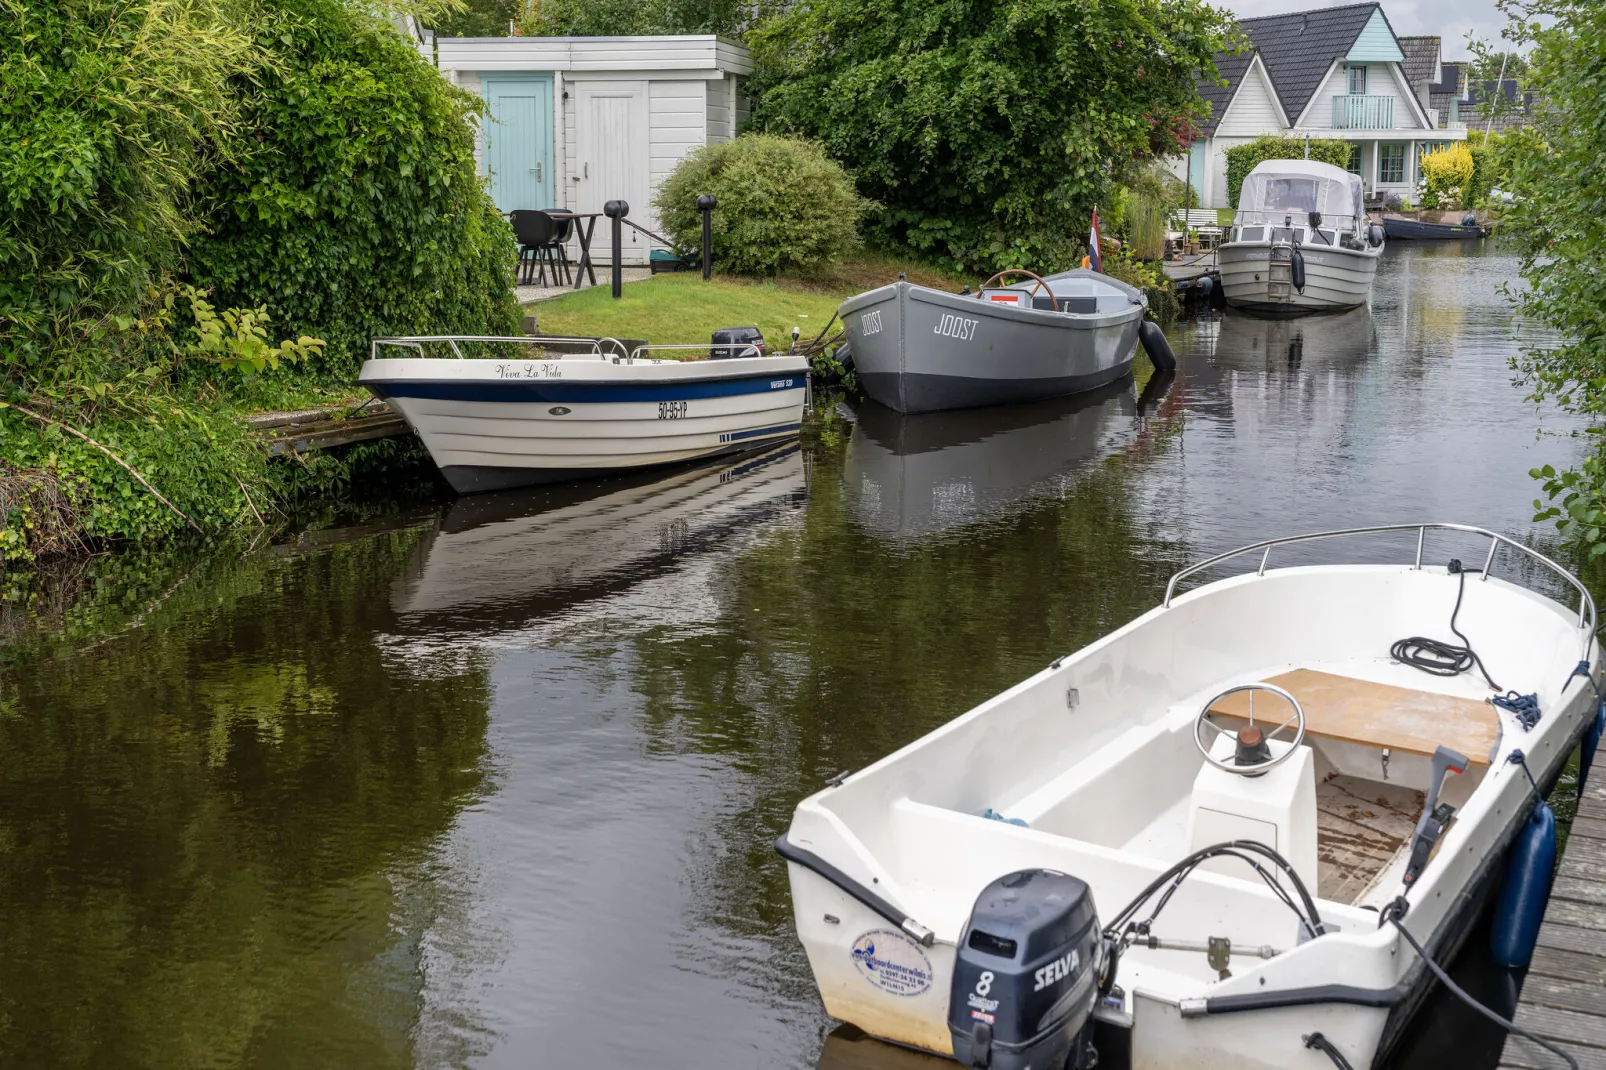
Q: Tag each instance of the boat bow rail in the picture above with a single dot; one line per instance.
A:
(417, 342)
(1586, 603)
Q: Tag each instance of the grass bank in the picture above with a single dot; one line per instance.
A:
(681, 307)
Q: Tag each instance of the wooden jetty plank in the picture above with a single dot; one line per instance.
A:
(1523, 1054)
(1569, 938)
(329, 434)
(1565, 965)
(1564, 995)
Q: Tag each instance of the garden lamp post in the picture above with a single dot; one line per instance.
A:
(616, 211)
(706, 204)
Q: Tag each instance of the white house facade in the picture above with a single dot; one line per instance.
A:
(1333, 73)
(575, 122)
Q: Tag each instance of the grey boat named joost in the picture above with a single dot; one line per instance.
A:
(917, 349)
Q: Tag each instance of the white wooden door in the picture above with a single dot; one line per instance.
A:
(611, 158)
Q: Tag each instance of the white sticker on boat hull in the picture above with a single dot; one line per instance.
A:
(892, 962)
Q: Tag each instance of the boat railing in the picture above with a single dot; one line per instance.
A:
(749, 349)
(1586, 604)
(592, 345)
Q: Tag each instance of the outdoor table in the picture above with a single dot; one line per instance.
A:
(584, 234)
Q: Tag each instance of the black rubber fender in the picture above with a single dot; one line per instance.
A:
(1374, 235)
(1297, 269)
(1155, 345)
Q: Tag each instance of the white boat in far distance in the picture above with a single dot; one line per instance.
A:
(520, 411)
(1301, 241)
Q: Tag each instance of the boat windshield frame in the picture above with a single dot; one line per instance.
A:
(1586, 603)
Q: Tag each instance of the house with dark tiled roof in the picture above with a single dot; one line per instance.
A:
(1333, 73)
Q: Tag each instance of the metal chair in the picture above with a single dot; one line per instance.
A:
(538, 235)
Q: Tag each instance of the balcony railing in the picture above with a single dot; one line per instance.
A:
(1358, 112)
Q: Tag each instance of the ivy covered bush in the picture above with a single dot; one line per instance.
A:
(1242, 159)
(300, 161)
(783, 205)
(353, 207)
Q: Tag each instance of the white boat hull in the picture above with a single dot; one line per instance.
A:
(491, 424)
(1096, 755)
(1335, 278)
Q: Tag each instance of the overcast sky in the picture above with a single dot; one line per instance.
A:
(1450, 19)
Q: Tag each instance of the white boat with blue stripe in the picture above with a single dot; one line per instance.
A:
(522, 410)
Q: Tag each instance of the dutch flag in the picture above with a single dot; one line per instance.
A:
(1093, 260)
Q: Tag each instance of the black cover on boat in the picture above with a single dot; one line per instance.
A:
(1026, 972)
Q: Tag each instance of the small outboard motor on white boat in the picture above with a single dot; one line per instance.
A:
(750, 335)
(1026, 975)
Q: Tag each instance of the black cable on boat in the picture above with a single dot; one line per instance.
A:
(1437, 656)
(1122, 925)
(1393, 913)
(1325, 1046)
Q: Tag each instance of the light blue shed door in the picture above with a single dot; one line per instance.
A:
(518, 142)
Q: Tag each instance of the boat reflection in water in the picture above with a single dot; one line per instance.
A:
(923, 474)
(503, 560)
(1333, 340)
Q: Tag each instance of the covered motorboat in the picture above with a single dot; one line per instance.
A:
(917, 349)
(1218, 831)
(528, 412)
(1301, 241)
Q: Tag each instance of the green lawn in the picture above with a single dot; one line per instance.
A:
(682, 308)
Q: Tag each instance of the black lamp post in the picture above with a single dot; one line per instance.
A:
(706, 204)
(616, 211)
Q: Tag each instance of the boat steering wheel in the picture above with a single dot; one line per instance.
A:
(1041, 285)
(1250, 735)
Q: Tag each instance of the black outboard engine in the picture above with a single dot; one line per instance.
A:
(1026, 975)
(750, 335)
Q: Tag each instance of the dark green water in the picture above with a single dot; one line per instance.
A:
(494, 782)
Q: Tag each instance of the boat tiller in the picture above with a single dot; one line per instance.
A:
(1026, 975)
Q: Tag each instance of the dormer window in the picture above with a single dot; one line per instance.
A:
(1357, 80)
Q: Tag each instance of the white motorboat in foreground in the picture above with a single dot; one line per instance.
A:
(1301, 241)
(523, 417)
(1079, 848)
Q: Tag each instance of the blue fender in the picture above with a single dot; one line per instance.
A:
(1521, 907)
(1591, 741)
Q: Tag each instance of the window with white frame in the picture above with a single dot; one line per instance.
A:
(1391, 164)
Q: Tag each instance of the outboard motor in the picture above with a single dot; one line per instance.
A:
(1026, 975)
(750, 335)
(1469, 220)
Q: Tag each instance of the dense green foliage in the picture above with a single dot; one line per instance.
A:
(614, 18)
(1559, 230)
(783, 205)
(105, 111)
(359, 213)
(1241, 159)
(986, 131)
(478, 18)
(300, 160)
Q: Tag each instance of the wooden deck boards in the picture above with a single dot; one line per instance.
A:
(1564, 995)
(1360, 826)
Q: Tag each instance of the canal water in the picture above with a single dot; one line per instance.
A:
(494, 782)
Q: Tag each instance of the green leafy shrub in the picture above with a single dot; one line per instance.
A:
(987, 132)
(106, 113)
(1241, 159)
(783, 205)
(354, 208)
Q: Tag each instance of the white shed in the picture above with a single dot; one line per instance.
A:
(578, 121)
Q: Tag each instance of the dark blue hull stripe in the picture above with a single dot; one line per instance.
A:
(555, 391)
(778, 429)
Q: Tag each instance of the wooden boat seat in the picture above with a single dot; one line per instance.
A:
(1376, 715)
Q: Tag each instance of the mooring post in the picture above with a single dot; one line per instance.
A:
(616, 211)
(706, 204)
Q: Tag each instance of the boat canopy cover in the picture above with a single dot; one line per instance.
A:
(1299, 187)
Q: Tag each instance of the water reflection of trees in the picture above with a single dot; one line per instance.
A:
(836, 647)
(205, 822)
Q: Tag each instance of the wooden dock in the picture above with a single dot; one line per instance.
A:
(294, 433)
(1187, 271)
(1564, 995)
